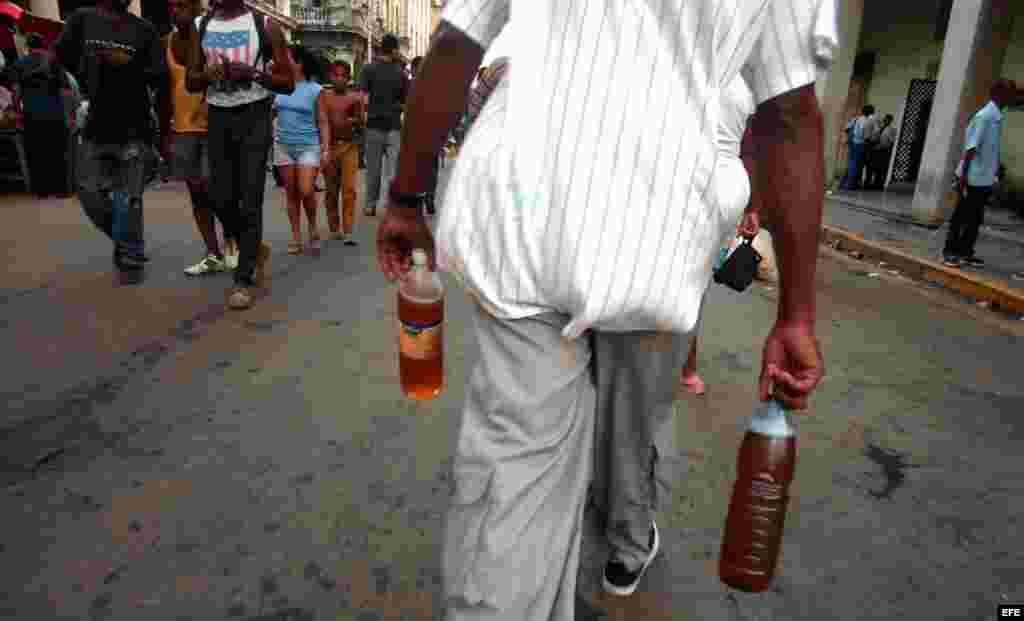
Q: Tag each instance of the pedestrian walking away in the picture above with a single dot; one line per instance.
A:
(42, 83)
(345, 113)
(302, 143)
(386, 84)
(228, 59)
(184, 123)
(976, 176)
(120, 59)
(585, 236)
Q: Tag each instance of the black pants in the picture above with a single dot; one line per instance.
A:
(878, 165)
(239, 142)
(967, 219)
(47, 149)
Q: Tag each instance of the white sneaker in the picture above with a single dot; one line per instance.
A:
(231, 261)
(209, 265)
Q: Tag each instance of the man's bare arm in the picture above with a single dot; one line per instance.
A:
(790, 180)
(435, 104)
(323, 121)
(281, 79)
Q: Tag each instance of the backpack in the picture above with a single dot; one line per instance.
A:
(266, 50)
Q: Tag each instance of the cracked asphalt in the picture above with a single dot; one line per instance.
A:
(165, 459)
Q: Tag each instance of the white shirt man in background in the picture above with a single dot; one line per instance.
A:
(582, 219)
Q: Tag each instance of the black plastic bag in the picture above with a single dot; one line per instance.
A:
(739, 269)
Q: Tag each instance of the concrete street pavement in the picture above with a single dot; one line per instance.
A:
(264, 465)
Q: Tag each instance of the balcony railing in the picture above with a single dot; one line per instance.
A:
(329, 18)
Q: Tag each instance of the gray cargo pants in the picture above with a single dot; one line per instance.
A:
(381, 162)
(526, 453)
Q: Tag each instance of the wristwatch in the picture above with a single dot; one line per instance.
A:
(406, 200)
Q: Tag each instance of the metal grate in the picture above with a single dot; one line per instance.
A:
(913, 130)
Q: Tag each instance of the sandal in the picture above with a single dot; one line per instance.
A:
(295, 247)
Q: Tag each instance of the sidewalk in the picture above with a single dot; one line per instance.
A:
(881, 220)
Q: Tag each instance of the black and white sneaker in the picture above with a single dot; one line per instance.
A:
(973, 261)
(620, 581)
(951, 261)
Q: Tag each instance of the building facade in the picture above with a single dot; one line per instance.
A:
(931, 64)
(352, 30)
(156, 11)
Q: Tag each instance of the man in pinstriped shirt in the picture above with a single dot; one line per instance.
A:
(585, 231)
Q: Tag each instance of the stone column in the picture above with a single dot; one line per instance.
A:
(834, 87)
(972, 58)
(48, 9)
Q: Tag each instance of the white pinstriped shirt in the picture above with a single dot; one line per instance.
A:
(589, 184)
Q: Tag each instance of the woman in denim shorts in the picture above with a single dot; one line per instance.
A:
(301, 143)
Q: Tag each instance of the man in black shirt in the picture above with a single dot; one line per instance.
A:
(118, 59)
(386, 85)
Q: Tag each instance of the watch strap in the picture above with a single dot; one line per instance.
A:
(406, 200)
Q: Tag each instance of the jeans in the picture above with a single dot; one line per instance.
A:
(381, 162)
(112, 180)
(854, 165)
(239, 142)
(967, 219)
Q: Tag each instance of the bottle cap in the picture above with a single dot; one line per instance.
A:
(419, 257)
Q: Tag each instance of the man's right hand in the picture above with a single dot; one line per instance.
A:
(401, 231)
(791, 365)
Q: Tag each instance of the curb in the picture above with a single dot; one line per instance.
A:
(866, 207)
(997, 293)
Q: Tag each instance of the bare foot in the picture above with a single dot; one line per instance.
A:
(693, 384)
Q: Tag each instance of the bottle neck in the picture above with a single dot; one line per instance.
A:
(770, 419)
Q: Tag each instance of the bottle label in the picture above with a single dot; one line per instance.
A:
(421, 341)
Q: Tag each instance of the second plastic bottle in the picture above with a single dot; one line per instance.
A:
(757, 510)
(420, 331)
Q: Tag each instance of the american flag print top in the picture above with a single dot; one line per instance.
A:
(231, 46)
(236, 41)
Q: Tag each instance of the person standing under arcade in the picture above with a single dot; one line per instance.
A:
(228, 59)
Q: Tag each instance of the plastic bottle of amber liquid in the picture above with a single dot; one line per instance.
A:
(757, 511)
(420, 331)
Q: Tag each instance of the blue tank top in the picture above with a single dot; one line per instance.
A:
(296, 115)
